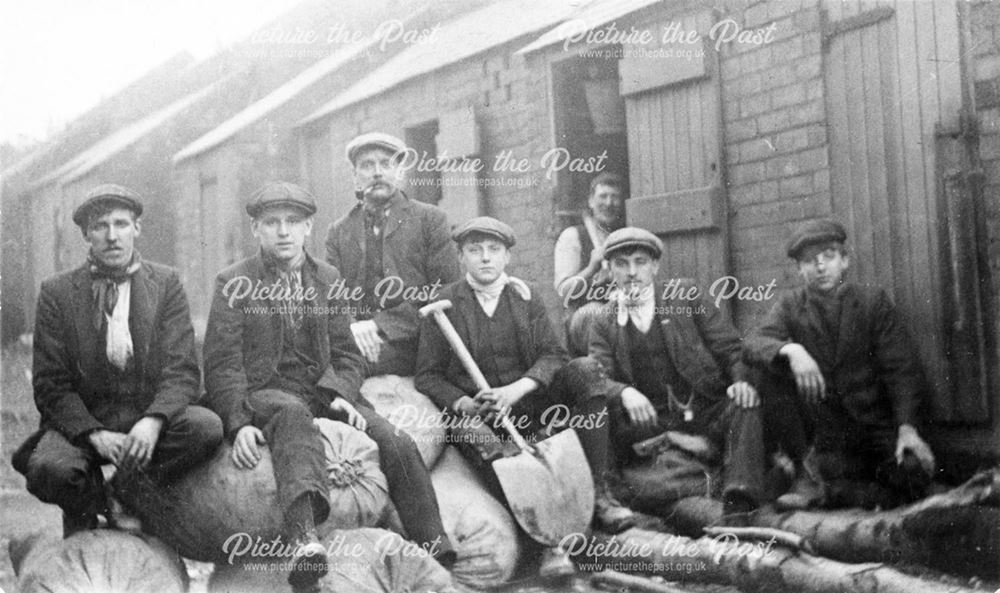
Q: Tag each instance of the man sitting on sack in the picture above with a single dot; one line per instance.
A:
(114, 373)
(273, 364)
(504, 324)
(386, 245)
(676, 365)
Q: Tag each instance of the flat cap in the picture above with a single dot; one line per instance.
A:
(485, 225)
(822, 230)
(281, 193)
(631, 237)
(373, 140)
(108, 193)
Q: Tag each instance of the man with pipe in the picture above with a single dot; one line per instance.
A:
(388, 245)
(506, 328)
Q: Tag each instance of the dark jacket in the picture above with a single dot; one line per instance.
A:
(875, 374)
(69, 360)
(704, 346)
(243, 345)
(440, 374)
(417, 248)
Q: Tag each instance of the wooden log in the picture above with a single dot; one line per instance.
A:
(750, 566)
(956, 531)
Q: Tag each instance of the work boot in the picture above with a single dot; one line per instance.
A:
(555, 564)
(610, 515)
(75, 523)
(309, 564)
(806, 492)
(119, 518)
(737, 506)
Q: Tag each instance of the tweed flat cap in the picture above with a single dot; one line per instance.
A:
(485, 225)
(632, 237)
(281, 193)
(108, 193)
(822, 230)
(373, 140)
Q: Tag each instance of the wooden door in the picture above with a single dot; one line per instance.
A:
(893, 80)
(674, 145)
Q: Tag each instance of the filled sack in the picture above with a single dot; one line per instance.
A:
(651, 485)
(484, 533)
(396, 400)
(217, 506)
(364, 560)
(100, 560)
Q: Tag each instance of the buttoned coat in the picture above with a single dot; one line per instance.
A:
(874, 373)
(440, 374)
(69, 371)
(703, 345)
(417, 248)
(243, 341)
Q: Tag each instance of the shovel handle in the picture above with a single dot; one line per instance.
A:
(458, 347)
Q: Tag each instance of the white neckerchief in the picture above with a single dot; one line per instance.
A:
(488, 295)
(119, 338)
(640, 309)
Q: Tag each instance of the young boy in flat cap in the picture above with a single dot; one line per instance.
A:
(840, 374)
(114, 371)
(505, 326)
(675, 364)
(269, 373)
(385, 245)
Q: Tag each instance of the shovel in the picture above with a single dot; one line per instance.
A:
(548, 486)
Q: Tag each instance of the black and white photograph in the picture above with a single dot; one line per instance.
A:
(510, 296)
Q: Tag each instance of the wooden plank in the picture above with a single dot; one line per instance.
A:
(666, 143)
(671, 212)
(686, 142)
(895, 163)
(925, 254)
(879, 221)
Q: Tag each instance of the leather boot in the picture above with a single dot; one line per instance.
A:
(555, 564)
(309, 564)
(807, 491)
(610, 515)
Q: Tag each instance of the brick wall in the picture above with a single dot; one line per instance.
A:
(775, 139)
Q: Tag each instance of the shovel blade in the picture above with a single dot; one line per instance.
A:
(550, 492)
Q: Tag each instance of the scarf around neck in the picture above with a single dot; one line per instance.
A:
(488, 295)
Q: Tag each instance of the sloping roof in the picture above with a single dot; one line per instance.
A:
(273, 100)
(456, 40)
(593, 16)
(118, 141)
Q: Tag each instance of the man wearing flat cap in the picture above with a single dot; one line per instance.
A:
(268, 378)
(505, 326)
(843, 382)
(114, 372)
(676, 367)
(393, 248)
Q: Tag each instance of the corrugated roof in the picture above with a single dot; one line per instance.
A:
(118, 141)
(593, 16)
(456, 40)
(271, 101)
